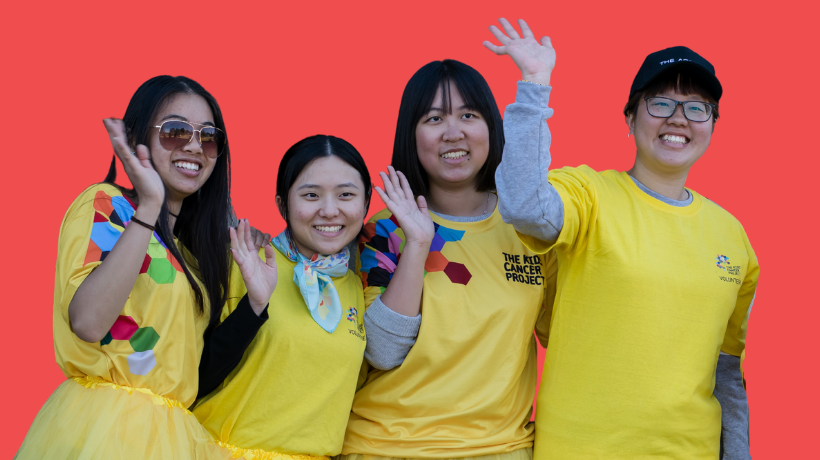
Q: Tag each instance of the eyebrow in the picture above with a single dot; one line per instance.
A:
(346, 184)
(166, 117)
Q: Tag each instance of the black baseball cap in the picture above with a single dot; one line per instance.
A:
(679, 59)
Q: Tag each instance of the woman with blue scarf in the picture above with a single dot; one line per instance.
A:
(290, 393)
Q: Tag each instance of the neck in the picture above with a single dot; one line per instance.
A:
(462, 202)
(174, 207)
(670, 185)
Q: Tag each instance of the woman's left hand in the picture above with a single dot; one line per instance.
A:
(412, 214)
(260, 276)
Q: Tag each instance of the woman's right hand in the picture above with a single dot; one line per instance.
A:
(260, 276)
(413, 216)
(141, 173)
(535, 60)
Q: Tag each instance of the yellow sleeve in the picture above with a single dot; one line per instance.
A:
(734, 342)
(542, 324)
(580, 202)
(89, 231)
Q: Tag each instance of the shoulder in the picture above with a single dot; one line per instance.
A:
(104, 200)
(717, 212)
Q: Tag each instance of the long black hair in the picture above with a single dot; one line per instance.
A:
(302, 153)
(416, 101)
(202, 225)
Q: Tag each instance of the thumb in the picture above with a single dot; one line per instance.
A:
(422, 202)
(270, 258)
(545, 41)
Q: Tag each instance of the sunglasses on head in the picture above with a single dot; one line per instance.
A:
(175, 134)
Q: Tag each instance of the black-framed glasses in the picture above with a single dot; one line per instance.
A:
(175, 134)
(663, 107)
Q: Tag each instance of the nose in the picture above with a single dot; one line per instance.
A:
(452, 130)
(329, 208)
(678, 118)
(194, 145)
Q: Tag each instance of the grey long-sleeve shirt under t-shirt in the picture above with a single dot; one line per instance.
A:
(528, 201)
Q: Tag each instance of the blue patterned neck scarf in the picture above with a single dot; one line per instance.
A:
(314, 278)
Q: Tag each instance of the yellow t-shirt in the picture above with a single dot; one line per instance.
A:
(466, 387)
(648, 295)
(292, 391)
(157, 341)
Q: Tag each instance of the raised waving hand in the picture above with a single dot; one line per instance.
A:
(411, 213)
(260, 276)
(141, 173)
(535, 59)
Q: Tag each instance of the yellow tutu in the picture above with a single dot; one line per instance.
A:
(92, 419)
(519, 454)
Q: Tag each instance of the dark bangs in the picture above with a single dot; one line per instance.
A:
(416, 102)
(672, 81)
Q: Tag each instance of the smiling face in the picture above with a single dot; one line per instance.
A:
(669, 145)
(184, 170)
(326, 206)
(452, 147)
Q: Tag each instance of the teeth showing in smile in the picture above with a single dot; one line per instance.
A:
(674, 139)
(328, 228)
(186, 165)
(454, 155)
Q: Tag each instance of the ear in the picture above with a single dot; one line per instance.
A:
(630, 122)
(280, 204)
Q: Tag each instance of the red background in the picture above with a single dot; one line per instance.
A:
(282, 73)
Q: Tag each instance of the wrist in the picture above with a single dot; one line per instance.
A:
(147, 213)
(539, 78)
(257, 307)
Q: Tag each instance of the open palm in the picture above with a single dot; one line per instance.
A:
(260, 276)
(141, 173)
(535, 59)
(412, 214)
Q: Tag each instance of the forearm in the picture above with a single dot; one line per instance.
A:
(403, 294)
(102, 295)
(734, 407)
(226, 344)
(390, 336)
(526, 198)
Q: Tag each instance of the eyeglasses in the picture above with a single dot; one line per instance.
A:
(175, 134)
(663, 107)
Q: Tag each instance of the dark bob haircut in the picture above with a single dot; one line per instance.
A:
(416, 102)
(302, 153)
(671, 81)
(202, 225)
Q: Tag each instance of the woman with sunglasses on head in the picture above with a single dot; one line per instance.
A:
(460, 382)
(655, 281)
(290, 395)
(138, 274)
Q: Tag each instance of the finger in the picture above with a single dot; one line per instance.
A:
(525, 29)
(499, 35)
(266, 238)
(249, 236)
(422, 202)
(234, 243)
(385, 198)
(405, 185)
(511, 32)
(240, 246)
(499, 50)
(116, 133)
(388, 185)
(546, 41)
(270, 258)
(144, 157)
(394, 179)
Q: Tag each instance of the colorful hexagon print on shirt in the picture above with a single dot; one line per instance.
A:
(112, 215)
(141, 339)
(381, 246)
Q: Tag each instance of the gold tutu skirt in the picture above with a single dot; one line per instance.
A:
(519, 454)
(90, 419)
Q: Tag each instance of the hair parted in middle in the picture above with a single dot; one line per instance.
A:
(302, 153)
(416, 101)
